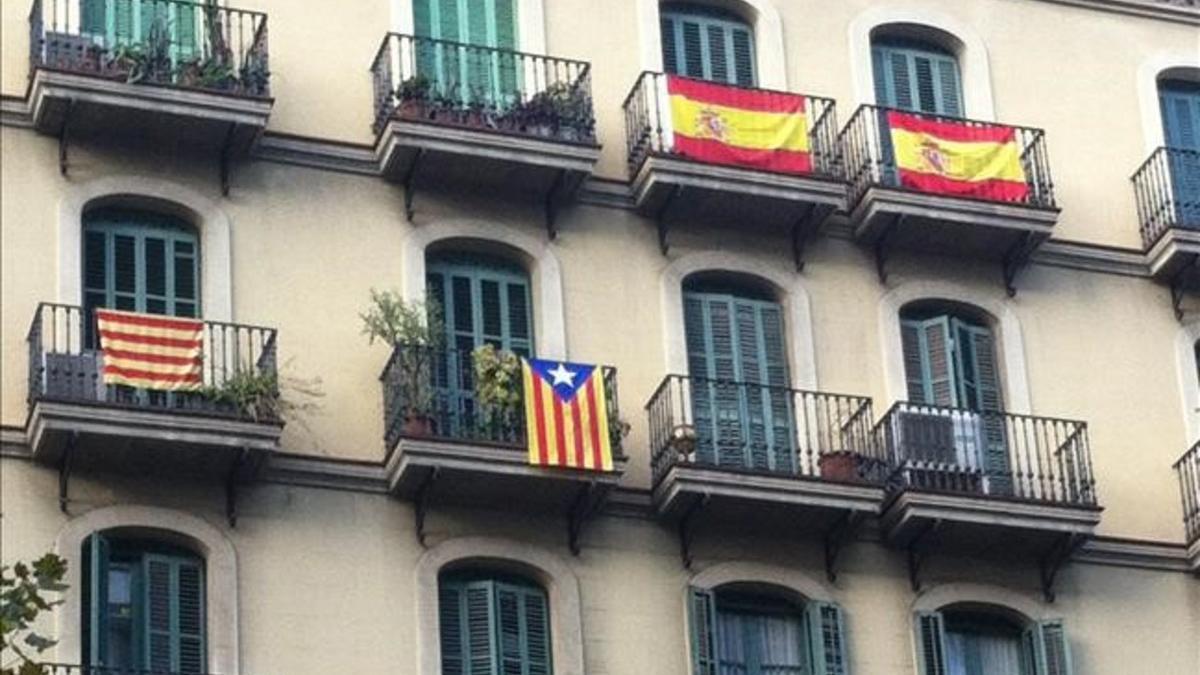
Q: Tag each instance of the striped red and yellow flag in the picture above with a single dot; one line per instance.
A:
(721, 124)
(957, 158)
(565, 415)
(151, 351)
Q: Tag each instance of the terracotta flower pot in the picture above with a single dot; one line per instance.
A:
(418, 425)
(842, 466)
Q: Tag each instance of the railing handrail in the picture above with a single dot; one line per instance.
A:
(742, 383)
(433, 349)
(898, 405)
(585, 65)
(1194, 450)
(200, 4)
(68, 668)
(37, 318)
(731, 85)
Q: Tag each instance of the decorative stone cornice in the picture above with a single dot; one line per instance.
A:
(1178, 11)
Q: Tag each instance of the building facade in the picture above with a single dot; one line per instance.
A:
(872, 428)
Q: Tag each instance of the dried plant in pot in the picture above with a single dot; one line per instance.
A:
(416, 332)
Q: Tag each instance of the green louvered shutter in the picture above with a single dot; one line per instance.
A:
(523, 630)
(1180, 105)
(121, 19)
(140, 262)
(451, 629)
(702, 623)
(701, 42)
(480, 628)
(1053, 649)
(93, 17)
(979, 390)
(931, 644)
(920, 79)
(173, 614)
(99, 551)
(927, 359)
(459, 71)
(493, 628)
(826, 639)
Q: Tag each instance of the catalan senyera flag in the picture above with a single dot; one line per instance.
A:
(151, 351)
(743, 127)
(957, 159)
(565, 415)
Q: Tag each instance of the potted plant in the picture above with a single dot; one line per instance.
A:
(683, 442)
(843, 466)
(498, 391)
(416, 334)
(560, 110)
(413, 94)
(250, 392)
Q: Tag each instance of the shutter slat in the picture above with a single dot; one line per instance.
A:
(667, 26)
(450, 628)
(702, 622)
(480, 629)
(695, 57)
(159, 625)
(827, 639)
(191, 617)
(743, 57)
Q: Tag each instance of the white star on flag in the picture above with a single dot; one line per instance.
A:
(563, 376)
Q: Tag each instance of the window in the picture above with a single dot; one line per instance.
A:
(485, 300)
(736, 360)
(749, 631)
(133, 22)
(983, 642)
(707, 43)
(469, 74)
(144, 606)
(1179, 101)
(493, 625)
(139, 261)
(916, 76)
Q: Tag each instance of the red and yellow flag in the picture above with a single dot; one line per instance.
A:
(151, 351)
(744, 127)
(565, 415)
(956, 158)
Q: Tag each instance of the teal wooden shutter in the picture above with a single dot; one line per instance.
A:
(523, 631)
(704, 43)
(93, 17)
(826, 639)
(173, 614)
(920, 79)
(484, 301)
(1053, 653)
(928, 360)
(702, 623)
(493, 628)
(457, 70)
(98, 558)
(1180, 104)
(451, 629)
(979, 390)
(140, 262)
(931, 644)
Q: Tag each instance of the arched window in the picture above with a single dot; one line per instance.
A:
(984, 640)
(737, 365)
(143, 605)
(140, 261)
(1179, 101)
(493, 624)
(752, 629)
(708, 43)
(916, 75)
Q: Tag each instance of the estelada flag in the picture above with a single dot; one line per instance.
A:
(151, 351)
(957, 158)
(565, 415)
(722, 124)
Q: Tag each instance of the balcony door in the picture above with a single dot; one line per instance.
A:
(707, 43)
(140, 22)
(917, 77)
(472, 61)
(741, 406)
(1180, 105)
(144, 607)
(485, 301)
(950, 366)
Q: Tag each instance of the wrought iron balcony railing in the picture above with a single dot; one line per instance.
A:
(482, 88)
(869, 160)
(1188, 469)
(197, 45)
(239, 369)
(991, 454)
(648, 132)
(430, 394)
(65, 669)
(1167, 187)
(745, 427)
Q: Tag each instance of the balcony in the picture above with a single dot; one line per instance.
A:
(175, 71)
(987, 483)
(480, 116)
(76, 421)
(749, 454)
(670, 186)
(1188, 470)
(66, 669)
(891, 206)
(445, 446)
(1167, 187)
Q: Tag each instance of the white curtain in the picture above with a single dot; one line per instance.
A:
(774, 642)
(781, 645)
(982, 654)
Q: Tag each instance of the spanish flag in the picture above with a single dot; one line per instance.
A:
(956, 158)
(721, 124)
(566, 418)
(151, 351)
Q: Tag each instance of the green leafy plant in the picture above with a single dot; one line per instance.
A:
(417, 334)
(23, 597)
(498, 388)
(415, 88)
(560, 109)
(254, 393)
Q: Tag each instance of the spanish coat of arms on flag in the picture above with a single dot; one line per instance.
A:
(566, 415)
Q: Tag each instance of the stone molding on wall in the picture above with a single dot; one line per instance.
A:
(788, 578)
(1009, 342)
(792, 295)
(548, 569)
(210, 221)
(938, 596)
(220, 565)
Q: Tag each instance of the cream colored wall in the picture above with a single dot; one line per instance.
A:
(327, 583)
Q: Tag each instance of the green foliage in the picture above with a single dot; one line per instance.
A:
(394, 321)
(559, 107)
(252, 392)
(498, 387)
(23, 597)
(415, 88)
